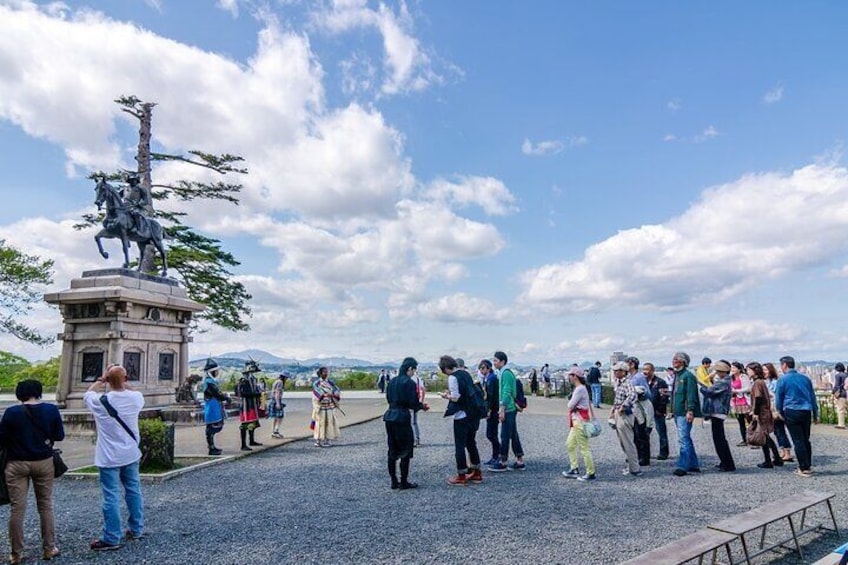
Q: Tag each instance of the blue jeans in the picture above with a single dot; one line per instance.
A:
(662, 432)
(687, 459)
(111, 478)
(509, 434)
(596, 394)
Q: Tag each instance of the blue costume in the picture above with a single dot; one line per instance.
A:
(213, 406)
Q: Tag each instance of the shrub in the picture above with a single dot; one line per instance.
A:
(357, 380)
(157, 445)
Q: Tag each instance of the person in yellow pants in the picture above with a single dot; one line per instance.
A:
(579, 411)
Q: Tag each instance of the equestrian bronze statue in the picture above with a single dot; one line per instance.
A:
(125, 220)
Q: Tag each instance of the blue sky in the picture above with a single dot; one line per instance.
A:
(558, 180)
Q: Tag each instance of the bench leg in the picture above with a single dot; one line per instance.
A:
(729, 555)
(795, 537)
(803, 517)
(832, 517)
(745, 549)
(763, 536)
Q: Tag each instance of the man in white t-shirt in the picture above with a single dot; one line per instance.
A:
(117, 455)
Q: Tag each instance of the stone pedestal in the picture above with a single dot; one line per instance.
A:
(129, 318)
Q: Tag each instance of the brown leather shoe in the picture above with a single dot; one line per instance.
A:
(459, 480)
(16, 558)
(51, 553)
(476, 476)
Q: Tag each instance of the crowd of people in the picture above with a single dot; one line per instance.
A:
(770, 408)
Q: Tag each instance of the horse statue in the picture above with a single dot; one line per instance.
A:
(122, 224)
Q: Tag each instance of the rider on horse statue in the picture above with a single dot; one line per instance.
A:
(136, 201)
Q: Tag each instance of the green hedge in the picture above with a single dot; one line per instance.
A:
(157, 445)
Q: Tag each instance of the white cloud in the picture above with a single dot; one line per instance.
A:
(408, 67)
(542, 147)
(709, 132)
(461, 307)
(701, 256)
(674, 104)
(774, 95)
(669, 137)
(155, 4)
(488, 193)
(358, 74)
(551, 147)
(230, 6)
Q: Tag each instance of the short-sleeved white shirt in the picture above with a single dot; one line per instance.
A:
(115, 447)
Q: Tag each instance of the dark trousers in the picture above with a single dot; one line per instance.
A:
(509, 435)
(780, 434)
(770, 451)
(642, 440)
(400, 442)
(211, 430)
(743, 425)
(798, 423)
(662, 433)
(720, 444)
(465, 439)
(492, 434)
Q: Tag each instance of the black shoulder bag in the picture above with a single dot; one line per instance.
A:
(114, 413)
(59, 467)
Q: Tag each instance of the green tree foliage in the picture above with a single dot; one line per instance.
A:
(46, 373)
(356, 380)
(200, 261)
(10, 366)
(19, 274)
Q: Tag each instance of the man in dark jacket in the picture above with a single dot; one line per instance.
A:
(465, 422)
(659, 392)
(490, 382)
(402, 396)
(594, 381)
(686, 407)
(839, 395)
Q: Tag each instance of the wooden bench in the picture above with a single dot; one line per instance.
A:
(762, 517)
(693, 546)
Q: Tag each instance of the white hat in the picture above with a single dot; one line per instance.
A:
(620, 366)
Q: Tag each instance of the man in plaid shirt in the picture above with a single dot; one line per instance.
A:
(622, 414)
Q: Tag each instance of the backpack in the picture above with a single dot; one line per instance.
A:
(520, 399)
(475, 403)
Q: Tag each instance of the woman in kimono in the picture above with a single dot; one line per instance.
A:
(325, 401)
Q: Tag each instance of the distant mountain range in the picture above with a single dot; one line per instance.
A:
(266, 358)
(270, 362)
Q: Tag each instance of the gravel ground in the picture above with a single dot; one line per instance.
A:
(301, 504)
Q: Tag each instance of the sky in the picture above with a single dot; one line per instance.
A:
(558, 180)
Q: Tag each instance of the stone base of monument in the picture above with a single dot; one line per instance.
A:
(183, 414)
(80, 423)
(121, 316)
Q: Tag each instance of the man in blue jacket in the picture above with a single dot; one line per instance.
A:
(796, 402)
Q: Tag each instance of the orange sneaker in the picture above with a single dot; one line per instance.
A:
(476, 476)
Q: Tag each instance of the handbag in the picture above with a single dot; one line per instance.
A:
(4, 489)
(59, 466)
(592, 427)
(755, 434)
